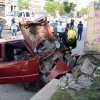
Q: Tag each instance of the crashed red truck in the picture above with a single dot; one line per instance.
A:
(19, 62)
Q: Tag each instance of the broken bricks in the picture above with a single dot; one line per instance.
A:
(65, 80)
(85, 81)
(82, 82)
(82, 76)
(87, 67)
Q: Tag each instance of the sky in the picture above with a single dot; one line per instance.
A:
(82, 3)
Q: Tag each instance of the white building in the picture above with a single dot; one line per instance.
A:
(10, 6)
(37, 6)
(2, 7)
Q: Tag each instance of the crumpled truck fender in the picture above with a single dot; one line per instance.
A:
(60, 68)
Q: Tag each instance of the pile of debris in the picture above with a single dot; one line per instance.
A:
(83, 75)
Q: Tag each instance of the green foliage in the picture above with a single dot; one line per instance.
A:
(23, 4)
(61, 9)
(92, 93)
(52, 7)
(83, 11)
(68, 7)
(50, 0)
(61, 95)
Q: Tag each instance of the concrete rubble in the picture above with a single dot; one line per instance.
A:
(85, 81)
(82, 75)
(87, 67)
(97, 72)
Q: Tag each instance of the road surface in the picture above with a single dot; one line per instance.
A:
(80, 44)
(14, 92)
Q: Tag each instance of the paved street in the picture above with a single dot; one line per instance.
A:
(14, 92)
(6, 34)
(80, 44)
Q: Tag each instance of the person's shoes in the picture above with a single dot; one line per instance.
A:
(13, 37)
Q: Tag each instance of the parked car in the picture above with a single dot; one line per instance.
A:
(17, 64)
(25, 15)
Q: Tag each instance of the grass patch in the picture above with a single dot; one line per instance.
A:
(93, 93)
(89, 94)
(61, 95)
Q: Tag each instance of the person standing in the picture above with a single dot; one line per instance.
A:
(13, 27)
(80, 30)
(60, 30)
(55, 26)
(66, 31)
(67, 27)
(61, 34)
(71, 38)
(72, 23)
(1, 28)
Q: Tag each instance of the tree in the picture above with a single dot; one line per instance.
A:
(83, 11)
(23, 4)
(61, 9)
(51, 6)
(50, 0)
(68, 7)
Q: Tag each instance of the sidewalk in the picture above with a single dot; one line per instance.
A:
(80, 45)
(6, 34)
(46, 92)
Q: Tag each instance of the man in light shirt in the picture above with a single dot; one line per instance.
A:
(60, 30)
(13, 28)
(61, 34)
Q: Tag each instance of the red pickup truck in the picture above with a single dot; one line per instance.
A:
(20, 63)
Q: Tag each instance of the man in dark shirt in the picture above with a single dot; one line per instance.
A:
(72, 23)
(80, 30)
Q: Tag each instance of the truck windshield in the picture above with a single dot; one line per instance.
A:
(24, 14)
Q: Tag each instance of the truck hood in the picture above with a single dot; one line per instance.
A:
(34, 32)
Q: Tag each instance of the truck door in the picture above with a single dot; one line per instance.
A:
(18, 68)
